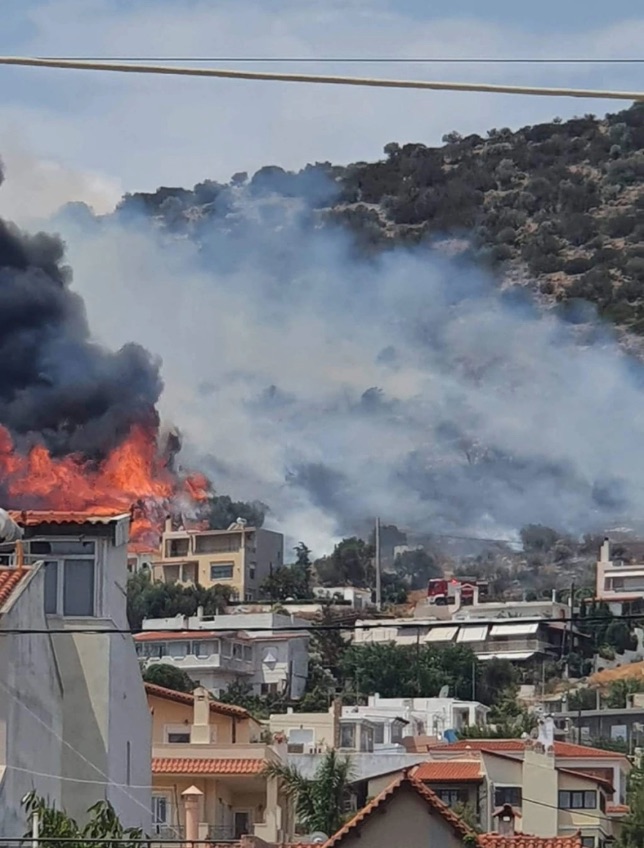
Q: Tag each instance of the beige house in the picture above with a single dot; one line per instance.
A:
(215, 751)
(405, 813)
(574, 789)
(241, 557)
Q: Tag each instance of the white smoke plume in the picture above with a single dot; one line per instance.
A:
(336, 388)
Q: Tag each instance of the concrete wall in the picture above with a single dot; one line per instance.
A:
(322, 725)
(31, 719)
(106, 720)
(166, 712)
(405, 817)
(540, 794)
(269, 556)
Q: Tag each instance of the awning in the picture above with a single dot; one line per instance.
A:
(472, 633)
(515, 629)
(513, 656)
(407, 637)
(441, 634)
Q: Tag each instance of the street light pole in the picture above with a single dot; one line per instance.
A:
(378, 566)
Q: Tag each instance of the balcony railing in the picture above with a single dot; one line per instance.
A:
(493, 646)
(224, 833)
(168, 831)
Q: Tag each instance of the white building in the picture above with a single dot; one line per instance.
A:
(395, 718)
(356, 598)
(618, 581)
(219, 650)
(73, 704)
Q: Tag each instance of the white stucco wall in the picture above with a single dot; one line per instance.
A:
(106, 719)
(30, 707)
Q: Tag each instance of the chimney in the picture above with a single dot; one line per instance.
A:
(336, 708)
(201, 717)
(506, 820)
(200, 613)
(168, 524)
(604, 551)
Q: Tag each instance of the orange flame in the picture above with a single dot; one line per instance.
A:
(132, 477)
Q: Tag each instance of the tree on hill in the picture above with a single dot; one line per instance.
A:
(350, 564)
(290, 581)
(147, 598)
(164, 674)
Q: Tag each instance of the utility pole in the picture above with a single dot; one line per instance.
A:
(568, 647)
(378, 576)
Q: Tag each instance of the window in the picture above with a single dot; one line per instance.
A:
(69, 547)
(221, 571)
(379, 734)
(451, 797)
(160, 809)
(268, 688)
(587, 842)
(396, 731)
(205, 648)
(178, 650)
(508, 795)
(217, 543)
(177, 547)
(347, 736)
(70, 587)
(251, 570)
(248, 653)
(578, 800)
(178, 734)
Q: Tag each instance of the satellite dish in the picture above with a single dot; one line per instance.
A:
(444, 693)
(318, 838)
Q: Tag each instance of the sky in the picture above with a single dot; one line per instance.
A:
(71, 135)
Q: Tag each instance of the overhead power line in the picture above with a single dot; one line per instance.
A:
(402, 624)
(317, 79)
(359, 60)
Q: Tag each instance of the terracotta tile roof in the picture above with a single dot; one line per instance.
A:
(10, 579)
(449, 771)
(520, 840)
(202, 765)
(97, 515)
(186, 698)
(402, 783)
(593, 777)
(171, 635)
(617, 809)
(562, 749)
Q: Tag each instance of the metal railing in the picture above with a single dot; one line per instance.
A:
(223, 833)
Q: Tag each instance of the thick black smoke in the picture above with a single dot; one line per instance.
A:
(57, 386)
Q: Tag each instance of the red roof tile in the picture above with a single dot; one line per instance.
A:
(592, 777)
(171, 635)
(617, 809)
(404, 782)
(562, 749)
(186, 698)
(10, 579)
(97, 515)
(202, 765)
(447, 771)
(520, 840)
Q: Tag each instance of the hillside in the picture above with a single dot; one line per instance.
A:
(556, 206)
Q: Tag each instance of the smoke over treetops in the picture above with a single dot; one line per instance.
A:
(57, 385)
(335, 386)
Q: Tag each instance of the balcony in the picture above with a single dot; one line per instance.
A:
(523, 646)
